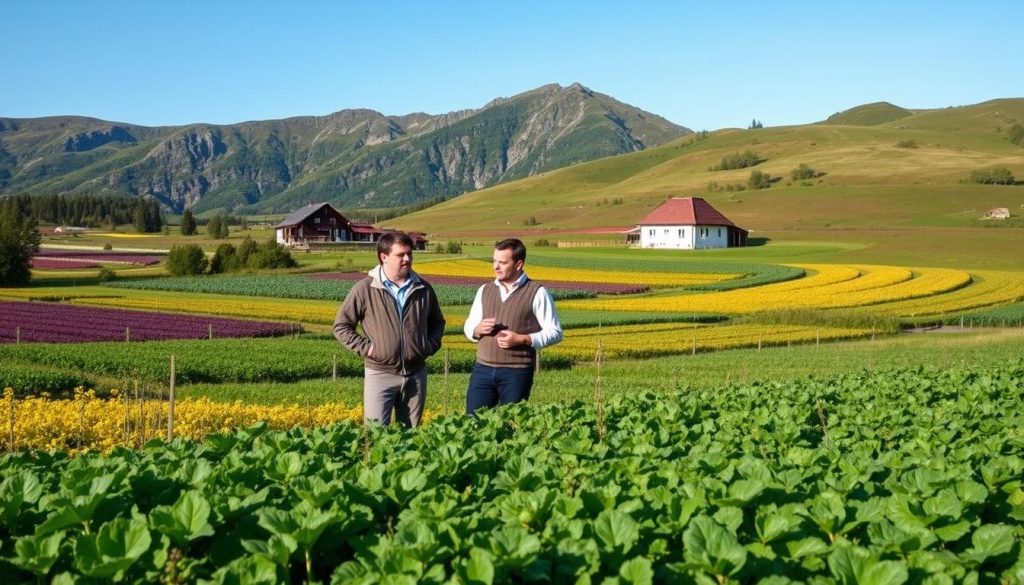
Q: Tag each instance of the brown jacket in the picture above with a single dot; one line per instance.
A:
(401, 344)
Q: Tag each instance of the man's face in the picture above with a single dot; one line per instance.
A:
(397, 262)
(506, 269)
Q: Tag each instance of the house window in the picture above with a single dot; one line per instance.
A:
(666, 232)
(719, 232)
(316, 220)
(332, 222)
(703, 233)
(682, 233)
(650, 232)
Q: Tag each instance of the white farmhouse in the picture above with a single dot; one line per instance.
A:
(687, 223)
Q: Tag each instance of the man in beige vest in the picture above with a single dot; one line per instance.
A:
(511, 318)
(402, 326)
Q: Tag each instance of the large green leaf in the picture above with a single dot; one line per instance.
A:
(637, 571)
(113, 549)
(17, 490)
(616, 531)
(37, 554)
(990, 541)
(185, 520)
(708, 546)
(856, 566)
(478, 569)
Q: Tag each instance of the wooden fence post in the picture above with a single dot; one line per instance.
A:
(17, 335)
(210, 325)
(11, 429)
(537, 365)
(127, 336)
(170, 404)
(334, 368)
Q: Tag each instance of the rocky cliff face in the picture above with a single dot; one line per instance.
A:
(353, 158)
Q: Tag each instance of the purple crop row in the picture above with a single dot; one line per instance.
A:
(594, 287)
(84, 257)
(60, 323)
(38, 262)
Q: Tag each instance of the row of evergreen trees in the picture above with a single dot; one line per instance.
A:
(90, 210)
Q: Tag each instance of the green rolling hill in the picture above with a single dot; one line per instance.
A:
(876, 182)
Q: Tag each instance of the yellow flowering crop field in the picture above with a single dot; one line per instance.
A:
(657, 339)
(87, 423)
(830, 287)
(481, 269)
(988, 287)
(305, 311)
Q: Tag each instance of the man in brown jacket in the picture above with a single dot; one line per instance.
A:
(402, 326)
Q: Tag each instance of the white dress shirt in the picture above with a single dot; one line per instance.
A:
(543, 309)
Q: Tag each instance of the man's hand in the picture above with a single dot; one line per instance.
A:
(485, 327)
(369, 352)
(508, 338)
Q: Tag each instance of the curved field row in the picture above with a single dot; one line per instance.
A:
(552, 285)
(658, 339)
(833, 286)
(989, 288)
(305, 311)
(482, 270)
(65, 323)
(87, 423)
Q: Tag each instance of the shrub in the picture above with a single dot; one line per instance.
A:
(543, 243)
(454, 247)
(1016, 134)
(803, 172)
(106, 275)
(186, 260)
(996, 176)
(906, 144)
(107, 246)
(271, 255)
(759, 180)
(739, 160)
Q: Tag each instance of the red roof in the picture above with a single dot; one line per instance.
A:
(364, 228)
(686, 211)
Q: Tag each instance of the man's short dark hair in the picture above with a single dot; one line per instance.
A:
(389, 239)
(517, 247)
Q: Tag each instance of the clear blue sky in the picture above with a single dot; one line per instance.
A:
(704, 65)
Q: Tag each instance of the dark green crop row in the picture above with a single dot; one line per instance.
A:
(215, 360)
(301, 287)
(901, 476)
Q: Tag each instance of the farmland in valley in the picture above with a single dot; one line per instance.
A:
(761, 413)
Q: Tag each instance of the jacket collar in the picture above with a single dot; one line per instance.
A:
(377, 274)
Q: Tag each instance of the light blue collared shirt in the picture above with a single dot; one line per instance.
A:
(401, 293)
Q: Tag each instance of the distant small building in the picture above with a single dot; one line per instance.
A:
(321, 223)
(686, 223)
(997, 213)
(68, 229)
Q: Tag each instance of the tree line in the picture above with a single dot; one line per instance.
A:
(144, 215)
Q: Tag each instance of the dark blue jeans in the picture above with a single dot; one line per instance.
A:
(489, 387)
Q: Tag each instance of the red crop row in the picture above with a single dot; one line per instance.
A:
(38, 262)
(77, 258)
(60, 323)
(594, 287)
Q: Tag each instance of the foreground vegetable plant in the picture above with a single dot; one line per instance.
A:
(908, 476)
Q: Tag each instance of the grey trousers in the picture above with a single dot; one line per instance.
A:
(384, 392)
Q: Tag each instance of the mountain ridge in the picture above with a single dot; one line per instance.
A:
(355, 158)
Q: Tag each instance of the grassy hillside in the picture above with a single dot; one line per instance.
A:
(897, 187)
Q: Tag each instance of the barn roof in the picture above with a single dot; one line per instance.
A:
(686, 211)
(296, 217)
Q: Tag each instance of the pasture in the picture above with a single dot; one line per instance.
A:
(725, 417)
